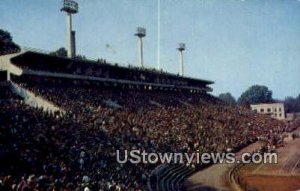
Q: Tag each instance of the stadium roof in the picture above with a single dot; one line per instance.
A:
(31, 58)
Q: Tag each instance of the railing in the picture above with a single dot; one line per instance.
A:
(169, 177)
(233, 178)
(25, 48)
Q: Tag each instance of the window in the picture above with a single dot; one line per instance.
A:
(275, 109)
(279, 114)
(269, 109)
(262, 110)
(255, 110)
(280, 109)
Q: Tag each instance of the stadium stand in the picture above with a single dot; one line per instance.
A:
(46, 150)
(35, 63)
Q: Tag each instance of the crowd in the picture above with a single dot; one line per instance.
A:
(6, 93)
(77, 151)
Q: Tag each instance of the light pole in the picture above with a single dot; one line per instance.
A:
(141, 32)
(70, 7)
(181, 48)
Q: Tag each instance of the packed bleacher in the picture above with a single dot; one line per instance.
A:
(6, 92)
(77, 151)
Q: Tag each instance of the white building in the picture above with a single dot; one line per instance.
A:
(275, 110)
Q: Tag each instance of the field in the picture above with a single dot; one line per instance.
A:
(284, 176)
(269, 182)
(214, 178)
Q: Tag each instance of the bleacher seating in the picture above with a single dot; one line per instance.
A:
(44, 150)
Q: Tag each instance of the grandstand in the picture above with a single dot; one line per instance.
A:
(34, 63)
(63, 119)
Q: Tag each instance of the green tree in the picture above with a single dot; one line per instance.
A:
(61, 52)
(227, 98)
(292, 104)
(256, 94)
(7, 45)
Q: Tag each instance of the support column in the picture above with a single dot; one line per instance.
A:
(69, 36)
(181, 63)
(141, 53)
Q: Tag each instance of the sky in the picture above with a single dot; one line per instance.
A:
(235, 43)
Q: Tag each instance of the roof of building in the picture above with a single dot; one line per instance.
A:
(31, 58)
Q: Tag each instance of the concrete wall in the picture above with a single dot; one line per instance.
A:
(34, 101)
(6, 65)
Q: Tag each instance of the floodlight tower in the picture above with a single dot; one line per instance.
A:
(141, 32)
(70, 7)
(181, 48)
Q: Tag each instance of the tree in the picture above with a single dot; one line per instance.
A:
(227, 98)
(80, 57)
(256, 94)
(6, 43)
(292, 104)
(61, 52)
(298, 103)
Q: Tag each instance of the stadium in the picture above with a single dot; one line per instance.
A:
(64, 117)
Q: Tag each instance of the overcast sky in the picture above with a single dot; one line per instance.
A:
(234, 43)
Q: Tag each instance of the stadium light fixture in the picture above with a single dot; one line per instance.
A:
(141, 32)
(70, 7)
(181, 48)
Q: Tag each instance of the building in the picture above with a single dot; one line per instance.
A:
(275, 110)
